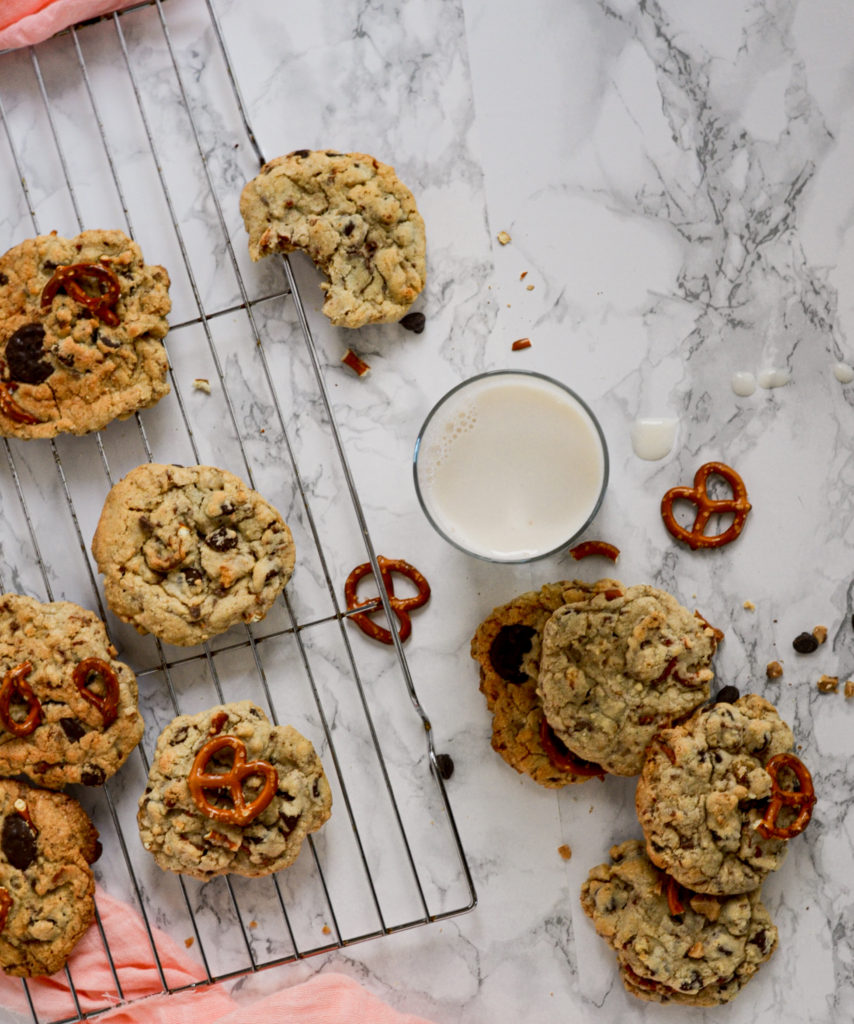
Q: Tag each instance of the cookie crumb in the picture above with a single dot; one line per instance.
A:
(828, 684)
(326, 930)
(749, 606)
(503, 237)
(253, 924)
(849, 689)
(189, 942)
(357, 365)
(521, 343)
(820, 633)
(773, 670)
(565, 851)
(529, 287)
(202, 384)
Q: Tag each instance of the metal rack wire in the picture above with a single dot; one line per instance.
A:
(136, 121)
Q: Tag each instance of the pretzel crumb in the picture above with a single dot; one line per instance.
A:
(357, 365)
(189, 942)
(820, 633)
(521, 343)
(828, 684)
(773, 670)
(503, 237)
(565, 851)
(529, 287)
(523, 275)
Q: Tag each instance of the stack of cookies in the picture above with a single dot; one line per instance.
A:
(588, 679)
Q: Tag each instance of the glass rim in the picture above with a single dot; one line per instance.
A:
(585, 408)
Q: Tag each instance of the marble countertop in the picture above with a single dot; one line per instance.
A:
(673, 178)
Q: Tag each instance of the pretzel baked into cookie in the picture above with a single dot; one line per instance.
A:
(81, 326)
(356, 221)
(229, 792)
(189, 551)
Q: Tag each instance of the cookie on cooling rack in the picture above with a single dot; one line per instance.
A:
(228, 792)
(617, 664)
(68, 707)
(47, 843)
(706, 796)
(506, 646)
(674, 945)
(356, 221)
(81, 326)
(188, 551)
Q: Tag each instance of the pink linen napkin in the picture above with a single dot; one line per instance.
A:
(323, 999)
(26, 22)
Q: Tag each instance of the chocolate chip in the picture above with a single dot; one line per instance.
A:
(92, 775)
(49, 265)
(96, 853)
(805, 643)
(179, 737)
(72, 729)
(727, 695)
(18, 842)
(413, 322)
(348, 227)
(24, 351)
(3, 279)
(222, 539)
(193, 575)
(301, 153)
(445, 765)
(508, 648)
(226, 508)
(289, 822)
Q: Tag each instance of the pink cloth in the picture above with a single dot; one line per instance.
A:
(323, 999)
(26, 22)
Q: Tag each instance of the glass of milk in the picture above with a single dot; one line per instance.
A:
(511, 466)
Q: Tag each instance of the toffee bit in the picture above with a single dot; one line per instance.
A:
(503, 237)
(805, 643)
(773, 670)
(820, 633)
(520, 343)
(828, 684)
(414, 322)
(357, 365)
(565, 851)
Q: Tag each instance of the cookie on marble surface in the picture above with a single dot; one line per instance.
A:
(228, 792)
(68, 706)
(356, 221)
(188, 551)
(81, 326)
(47, 843)
(674, 945)
(703, 791)
(506, 646)
(617, 664)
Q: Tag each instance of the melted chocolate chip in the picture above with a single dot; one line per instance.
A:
(72, 729)
(445, 765)
(413, 322)
(192, 575)
(805, 643)
(18, 842)
(222, 539)
(301, 153)
(179, 737)
(289, 822)
(727, 695)
(24, 351)
(348, 227)
(92, 775)
(508, 648)
(3, 279)
(226, 508)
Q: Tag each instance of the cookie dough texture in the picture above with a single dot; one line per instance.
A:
(46, 846)
(702, 956)
(617, 664)
(702, 790)
(506, 646)
(188, 551)
(71, 744)
(182, 839)
(61, 363)
(356, 221)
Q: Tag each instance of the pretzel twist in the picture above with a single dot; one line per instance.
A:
(15, 682)
(108, 705)
(802, 798)
(401, 606)
(200, 780)
(69, 277)
(698, 495)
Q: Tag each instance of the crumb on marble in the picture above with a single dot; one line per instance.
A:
(773, 670)
(189, 942)
(820, 633)
(828, 684)
(849, 689)
(357, 365)
(565, 851)
(523, 275)
(749, 606)
(529, 287)
(253, 924)
(520, 343)
(326, 930)
(202, 384)
(503, 237)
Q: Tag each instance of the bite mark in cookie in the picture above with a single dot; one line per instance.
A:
(228, 792)
(356, 221)
(81, 326)
(189, 551)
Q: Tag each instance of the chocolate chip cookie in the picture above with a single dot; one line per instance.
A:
(230, 792)
(68, 707)
(703, 791)
(356, 221)
(46, 885)
(617, 664)
(674, 945)
(188, 551)
(506, 646)
(81, 326)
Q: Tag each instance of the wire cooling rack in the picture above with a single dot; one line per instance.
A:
(136, 121)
